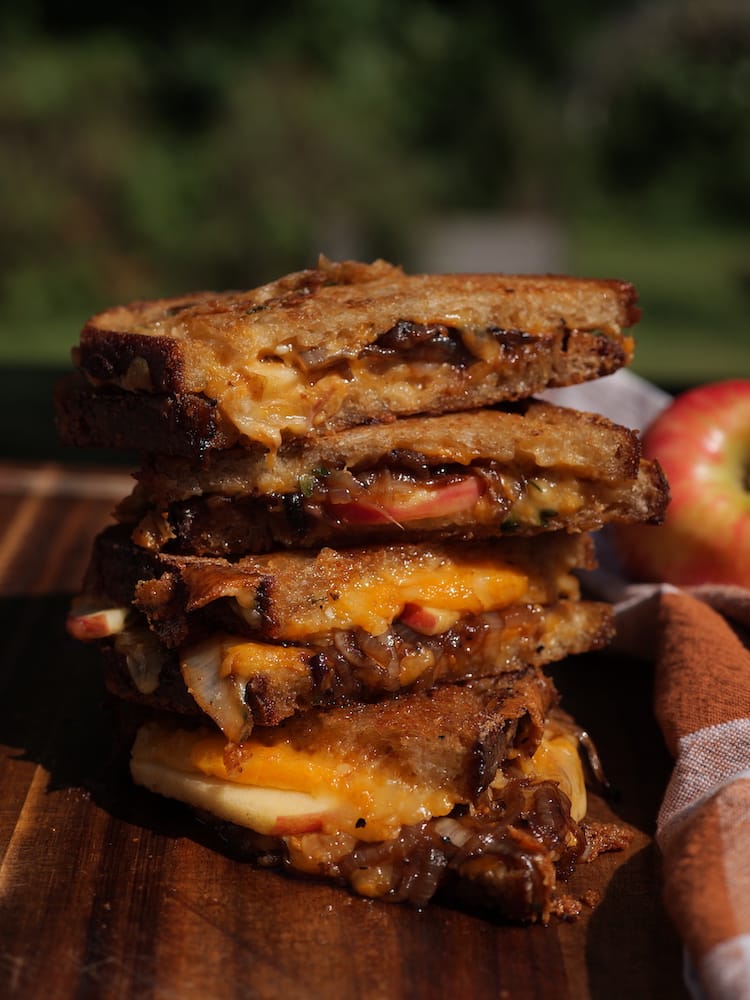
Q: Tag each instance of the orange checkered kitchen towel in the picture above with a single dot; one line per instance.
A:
(702, 702)
(700, 641)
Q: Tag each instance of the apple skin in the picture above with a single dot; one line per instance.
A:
(95, 624)
(702, 441)
(421, 504)
(294, 826)
(428, 621)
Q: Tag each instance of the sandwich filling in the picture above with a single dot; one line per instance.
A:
(286, 394)
(275, 788)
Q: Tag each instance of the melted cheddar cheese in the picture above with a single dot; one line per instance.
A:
(375, 604)
(546, 497)
(557, 758)
(279, 790)
(335, 795)
(247, 659)
(264, 398)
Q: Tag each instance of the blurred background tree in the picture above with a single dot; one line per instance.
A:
(148, 152)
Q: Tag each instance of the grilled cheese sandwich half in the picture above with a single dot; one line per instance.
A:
(300, 595)
(349, 343)
(475, 783)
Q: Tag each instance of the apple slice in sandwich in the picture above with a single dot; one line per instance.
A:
(417, 503)
(162, 762)
(86, 623)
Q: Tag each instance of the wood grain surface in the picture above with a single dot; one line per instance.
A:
(107, 891)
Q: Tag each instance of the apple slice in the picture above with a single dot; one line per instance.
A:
(419, 503)
(427, 620)
(274, 811)
(220, 697)
(96, 624)
(271, 811)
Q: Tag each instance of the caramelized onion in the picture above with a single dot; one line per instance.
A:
(220, 697)
(144, 657)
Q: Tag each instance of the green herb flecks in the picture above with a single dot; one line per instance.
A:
(307, 481)
(306, 484)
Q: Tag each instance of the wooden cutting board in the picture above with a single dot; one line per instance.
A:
(107, 891)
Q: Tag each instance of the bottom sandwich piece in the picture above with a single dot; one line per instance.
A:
(475, 790)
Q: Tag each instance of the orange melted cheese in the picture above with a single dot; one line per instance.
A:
(279, 790)
(288, 665)
(265, 397)
(246, 659)
(561, 496)
(376, 603)
(358, 797)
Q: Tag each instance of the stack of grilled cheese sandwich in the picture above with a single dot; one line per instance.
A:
(353, 545)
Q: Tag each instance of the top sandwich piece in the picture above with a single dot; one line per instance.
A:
(331, 347)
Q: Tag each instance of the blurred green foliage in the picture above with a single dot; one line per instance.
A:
(146, 154)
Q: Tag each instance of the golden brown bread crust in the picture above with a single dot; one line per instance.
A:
(352, 668)
(337, 308)
(349, 343)
(186, 424)
(537, 434)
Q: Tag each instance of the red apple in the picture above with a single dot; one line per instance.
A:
(702, 440)
(420, 503)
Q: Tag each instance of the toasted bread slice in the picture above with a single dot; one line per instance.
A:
(536, 468)
(299, 596)
(346, 344)
(187, 424)
(241, 683)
